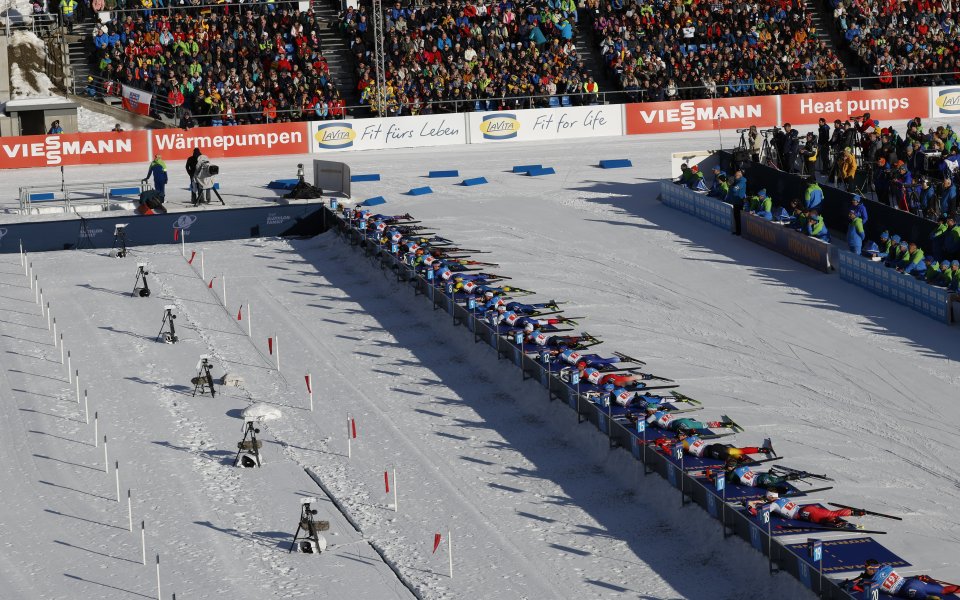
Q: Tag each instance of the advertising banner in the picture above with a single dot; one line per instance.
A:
(233, 141)
(701, 115)
(70, 149)
(388, 132)
(546, 124)
(945, 101)
(883, 105)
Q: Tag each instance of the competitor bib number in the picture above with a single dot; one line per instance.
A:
(540, 339)
(697, 447)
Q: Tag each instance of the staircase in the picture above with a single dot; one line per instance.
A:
(336, 50)
(589, 50)
(79, 47)
(822, 14)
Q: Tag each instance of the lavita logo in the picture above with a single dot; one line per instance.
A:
(335, 136)
(948, 101)
(500, 126)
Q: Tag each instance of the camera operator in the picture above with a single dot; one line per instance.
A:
(929, 198)
(871, 148)
(882, 175)
(902, 181)
(864, 123)
(836, 150)
(203, 179)
(823, 145)
(948, 197)
(191, 168)
(808, 155)
(791, 150)
(779, 141)
(755, 143)
(847, 168)
(849, 136)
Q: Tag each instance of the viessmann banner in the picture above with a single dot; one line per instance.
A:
(389, 132)
(546, 124)
(70, 149)
(701, 115)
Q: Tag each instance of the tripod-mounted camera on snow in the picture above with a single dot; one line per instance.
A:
(204, 379)
(248, 449)
(140, 286)
(307, 539)
(170, 335)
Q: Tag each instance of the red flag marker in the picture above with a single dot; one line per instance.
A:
(240, 313)
(309, 387)
(386, 481)
(270, 345)
(353, 428)
(436, 542)
(210, 285)
(193, 254)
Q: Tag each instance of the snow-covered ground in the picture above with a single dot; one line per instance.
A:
(843, 381)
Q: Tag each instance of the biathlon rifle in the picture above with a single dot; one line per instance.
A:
(865, 511)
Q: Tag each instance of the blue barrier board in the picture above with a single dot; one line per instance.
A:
(474, 181)
(420, 191)
(615, 163)
(376, 200)
(841, 556)
(365, 177)
(450, 173)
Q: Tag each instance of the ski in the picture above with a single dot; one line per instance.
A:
(865, 511)
(731, 423)
(822, 528)
(684, 398)
(803, 474)
(646, 388)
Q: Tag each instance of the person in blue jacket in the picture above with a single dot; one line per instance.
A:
(951, 238)
(948, 198)
(816, 227)
(764, 206)
(912, 261)
(158, 170)
(855, 235)
(856, 204)
(813, 196)
(738, 189)
(893, 584)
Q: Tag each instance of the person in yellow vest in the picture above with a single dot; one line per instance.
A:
(591, 88)
(68, 9)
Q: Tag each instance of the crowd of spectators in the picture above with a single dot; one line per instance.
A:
(458, 56)
(919, 40)
(221, 65)
(677, 50)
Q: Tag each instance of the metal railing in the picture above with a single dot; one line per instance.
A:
(68, 197)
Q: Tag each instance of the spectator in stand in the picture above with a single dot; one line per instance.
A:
(225, 62)
(55, 129)
(68, 10)
(658, 51)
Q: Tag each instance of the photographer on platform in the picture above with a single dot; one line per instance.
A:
(755, 143)
(823, 145)
(847, 168)
(203, 179)
(808, 155)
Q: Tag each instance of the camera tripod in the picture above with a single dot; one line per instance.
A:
(169, 337)
(203, 379)
(119, 248)
(198, 200)
(768, 153)
(142, 290)
(248, 446)
(309, 540)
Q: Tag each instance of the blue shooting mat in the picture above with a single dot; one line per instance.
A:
(803, 527)
(840, 556)
(741, 493)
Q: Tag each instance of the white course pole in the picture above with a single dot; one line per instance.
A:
(349, 437)
(96, 427)
(310, 390)
(69, 369)
(276, 350)
(249, 322)
(450, 552)
(86, 408)
(48, 325)
(158, 578)
(129, 511)
(55, 334)
(36, 290)
(143, 540)
(116, 472)
(106, 458)
(203, 271)
(183, 251)
(61, 344)
(396, 507)
(77, 380)
(41, 303)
